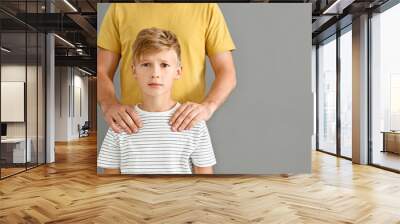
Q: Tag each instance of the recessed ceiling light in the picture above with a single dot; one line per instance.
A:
(338, 6)
(5, 50)
(70, 5)
(64, 40)
(86, 72)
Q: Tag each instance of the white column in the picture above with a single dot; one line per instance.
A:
(50, 94)
(360, 90)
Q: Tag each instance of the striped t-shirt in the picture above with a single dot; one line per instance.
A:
(155, 148)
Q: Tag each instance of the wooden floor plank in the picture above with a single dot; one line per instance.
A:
(70, 191)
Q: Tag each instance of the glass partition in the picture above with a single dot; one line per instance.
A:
(22, 88)
(31, 99)
(13, 98)
(327, 95)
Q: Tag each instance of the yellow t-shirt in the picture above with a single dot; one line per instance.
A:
(201, 31)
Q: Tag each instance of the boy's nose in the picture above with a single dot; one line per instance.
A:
(155, 72)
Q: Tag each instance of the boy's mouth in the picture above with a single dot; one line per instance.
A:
(155, 84)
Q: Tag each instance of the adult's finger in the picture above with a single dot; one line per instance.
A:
(135, 117)
(181, 118)
(130, 124)
(178, 113)
(193, 123)
(121, 123)
(188, 119)
(113, 125)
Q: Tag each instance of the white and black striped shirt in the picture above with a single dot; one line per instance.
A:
(155, 149)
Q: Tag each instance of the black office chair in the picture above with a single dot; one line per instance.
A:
(84, 130)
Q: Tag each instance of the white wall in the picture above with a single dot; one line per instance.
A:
(80, 84)
(67, 117)
(61, 103)
(15, 72)
(34, 124)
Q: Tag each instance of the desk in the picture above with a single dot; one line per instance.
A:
(391, 141)
(18, 149)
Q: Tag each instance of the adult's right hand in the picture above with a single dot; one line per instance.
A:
(119, 117)
(122, 118)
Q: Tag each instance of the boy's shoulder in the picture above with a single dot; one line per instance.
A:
(200, 126)
(114, 134)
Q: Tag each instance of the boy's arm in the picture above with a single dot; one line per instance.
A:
(109, 154)
(203, 170)
(203, 158)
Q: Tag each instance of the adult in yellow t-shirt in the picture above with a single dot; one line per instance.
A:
(201, 30)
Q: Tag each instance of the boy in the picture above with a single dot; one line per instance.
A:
(155, 148)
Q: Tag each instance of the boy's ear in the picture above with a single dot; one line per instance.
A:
(178, 72)
(133, 71)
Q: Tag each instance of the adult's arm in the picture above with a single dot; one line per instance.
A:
(119, 117)
(190, 113)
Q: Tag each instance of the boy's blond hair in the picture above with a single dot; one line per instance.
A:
(154, 40)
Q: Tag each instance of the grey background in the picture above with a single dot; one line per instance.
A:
(265, 126)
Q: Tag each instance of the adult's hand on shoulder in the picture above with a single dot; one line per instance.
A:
(122, 118)
(189, 114)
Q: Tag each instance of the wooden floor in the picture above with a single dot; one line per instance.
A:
(10, 171)
(70, 191)
(5, 172)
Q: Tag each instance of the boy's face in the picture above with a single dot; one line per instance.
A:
(156, 71)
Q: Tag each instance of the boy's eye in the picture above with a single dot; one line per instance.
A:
(164, 65)
(146, 64)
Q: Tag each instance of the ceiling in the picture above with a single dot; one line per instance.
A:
(76, 22)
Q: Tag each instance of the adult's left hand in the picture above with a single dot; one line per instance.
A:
(189, 114)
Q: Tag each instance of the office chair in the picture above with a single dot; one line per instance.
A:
(84, 130)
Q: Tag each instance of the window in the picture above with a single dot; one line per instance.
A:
(327, 95)
(346, 92)
(385, 88)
